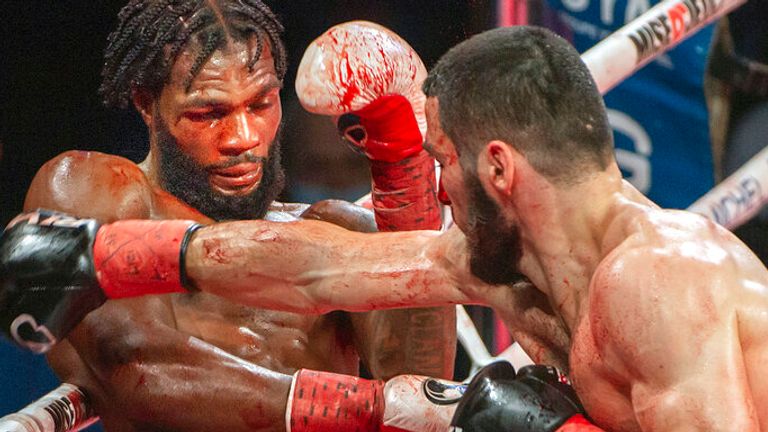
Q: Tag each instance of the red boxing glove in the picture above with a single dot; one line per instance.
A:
(385, 130)
(370, 79)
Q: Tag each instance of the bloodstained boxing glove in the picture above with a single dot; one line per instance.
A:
(55, 269)
(537, 398)
(325, 402)
(370, 80)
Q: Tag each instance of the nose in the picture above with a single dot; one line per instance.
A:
(240, 135)
(442, 196)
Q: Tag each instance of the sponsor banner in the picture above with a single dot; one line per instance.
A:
(659, 115)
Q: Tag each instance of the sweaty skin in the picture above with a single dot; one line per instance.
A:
(661, 313)
(195, 361)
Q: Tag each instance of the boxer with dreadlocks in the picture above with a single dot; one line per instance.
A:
(206, 78)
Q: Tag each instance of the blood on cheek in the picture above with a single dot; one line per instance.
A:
(198, 139)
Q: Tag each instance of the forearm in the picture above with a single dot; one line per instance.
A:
(139, 373)
(315, 267)
(415, 341)
(408, 341)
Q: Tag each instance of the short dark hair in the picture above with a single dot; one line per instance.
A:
(528, 87)
(150, 34)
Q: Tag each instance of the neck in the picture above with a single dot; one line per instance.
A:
(150, 166)
(564, 232)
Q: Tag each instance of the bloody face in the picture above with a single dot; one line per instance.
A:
(218, 139)
(494, 243)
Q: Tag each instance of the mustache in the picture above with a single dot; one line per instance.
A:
(237, 160)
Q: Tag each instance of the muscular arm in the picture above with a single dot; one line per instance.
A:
(92, 185)
(681, 357)
(394, 342)
(141, 372)
(159, 379)
(316, 267)
(418, 341)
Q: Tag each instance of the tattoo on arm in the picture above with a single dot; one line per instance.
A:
(408, 341)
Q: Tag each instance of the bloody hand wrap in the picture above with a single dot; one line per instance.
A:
(403, 193)
(138, 257)
(328, 402)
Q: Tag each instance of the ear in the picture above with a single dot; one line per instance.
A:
(144, 104)
(498, 166)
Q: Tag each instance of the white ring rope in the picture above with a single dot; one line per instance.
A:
(65, 409)
(739, 197)
(616, 57)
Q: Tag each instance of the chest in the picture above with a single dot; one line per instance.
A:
(280, 341)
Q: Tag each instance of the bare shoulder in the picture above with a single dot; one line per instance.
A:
(91, 184)
(673, 278)
(285, 212)
(342, 213)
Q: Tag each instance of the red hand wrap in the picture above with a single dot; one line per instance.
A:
(328, 402)
(403, 194)
(138, 257)
(392, 130)
(578, 423)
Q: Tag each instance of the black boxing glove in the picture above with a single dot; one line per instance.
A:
(55, 269)
(538, 398)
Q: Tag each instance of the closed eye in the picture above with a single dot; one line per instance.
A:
(266, 99)
(203, 116)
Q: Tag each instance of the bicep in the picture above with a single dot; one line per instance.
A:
(675, 339)
(157, 378)
(706, 389)
(99, 347)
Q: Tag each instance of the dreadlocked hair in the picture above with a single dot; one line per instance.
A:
(150, 34)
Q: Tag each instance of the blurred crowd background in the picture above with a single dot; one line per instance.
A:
(681, 124)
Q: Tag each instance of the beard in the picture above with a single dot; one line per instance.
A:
(495, 248)
(188, 180)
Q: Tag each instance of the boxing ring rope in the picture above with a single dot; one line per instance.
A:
(740, 196)
(643, 39)
(65, 409)
(612, 60)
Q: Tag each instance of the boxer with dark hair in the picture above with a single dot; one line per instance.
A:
(206, 77)
(658, 316)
